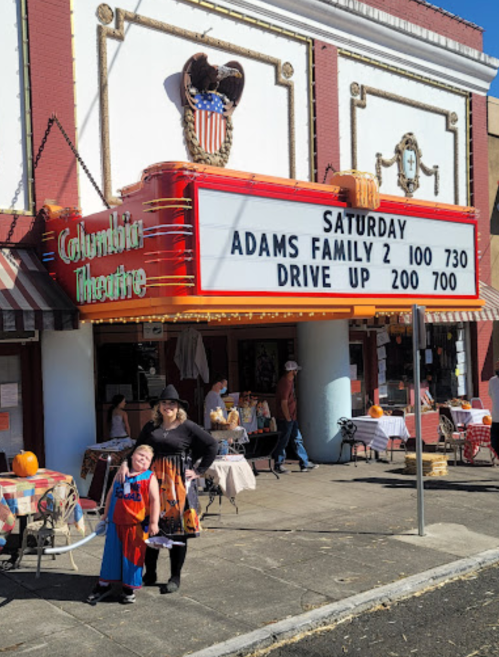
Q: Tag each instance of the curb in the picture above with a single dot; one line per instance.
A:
(354, 605)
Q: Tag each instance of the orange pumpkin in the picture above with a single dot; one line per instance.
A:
(25, 464)
(466, 406)
(487, 419)
(376, 411)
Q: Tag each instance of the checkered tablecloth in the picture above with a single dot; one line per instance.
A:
(477, 435)
(19, 497)
(375, 432)
(468, 416)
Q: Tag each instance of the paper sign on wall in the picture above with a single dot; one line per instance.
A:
(382, 366)
(353, 372)
(356, 386)
(383, 391)
(382, 337)
(9, 395)
(382, 378)
(4, 422)
(381, 353)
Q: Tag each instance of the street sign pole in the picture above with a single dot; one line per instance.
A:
(418, 338)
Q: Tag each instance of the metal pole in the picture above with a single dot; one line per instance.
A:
(417, 412)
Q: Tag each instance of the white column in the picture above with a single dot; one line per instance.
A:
(324, 387)
(68, 399)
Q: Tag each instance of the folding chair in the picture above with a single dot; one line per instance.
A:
(95, 501)
(476, 402)
(396, 412)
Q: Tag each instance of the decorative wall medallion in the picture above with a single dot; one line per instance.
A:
(287, 70)
(210, 94)
(408, 158)
(355, 89)
(105, 14)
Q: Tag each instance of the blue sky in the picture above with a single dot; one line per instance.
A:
(484, 13)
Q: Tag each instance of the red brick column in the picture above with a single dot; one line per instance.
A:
(480, 199)
(327, 131)
(52, 92)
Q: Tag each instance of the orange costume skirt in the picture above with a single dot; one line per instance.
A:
(178, 498)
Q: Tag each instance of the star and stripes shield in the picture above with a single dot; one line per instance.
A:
(209, 121)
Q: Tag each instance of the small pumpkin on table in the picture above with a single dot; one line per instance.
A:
(25, 464)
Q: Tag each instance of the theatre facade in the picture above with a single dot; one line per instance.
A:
(222, 210)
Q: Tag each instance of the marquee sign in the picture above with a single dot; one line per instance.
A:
(256, 244)
(190, 239)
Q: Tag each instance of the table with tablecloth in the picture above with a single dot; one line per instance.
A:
(468, 415)
(118, 449)
(229, 476)
(19, 498)
(477, 435)
(376, 432)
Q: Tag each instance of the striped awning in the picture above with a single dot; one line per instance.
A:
(29, 298)
(489, 312)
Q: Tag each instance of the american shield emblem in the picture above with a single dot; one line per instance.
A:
(210, 94)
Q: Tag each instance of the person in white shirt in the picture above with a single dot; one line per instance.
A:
(214, 399)
(494, 396)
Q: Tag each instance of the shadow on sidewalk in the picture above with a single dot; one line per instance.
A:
(434, 484)
(50, 586)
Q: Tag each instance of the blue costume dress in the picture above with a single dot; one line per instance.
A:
(125, 546)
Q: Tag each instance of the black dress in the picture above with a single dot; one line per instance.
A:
(174, 452)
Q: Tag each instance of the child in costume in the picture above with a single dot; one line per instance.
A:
(126, 512)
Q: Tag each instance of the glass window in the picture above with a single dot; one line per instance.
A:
(443, 364)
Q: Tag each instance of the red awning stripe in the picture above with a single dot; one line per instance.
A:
(29, 298)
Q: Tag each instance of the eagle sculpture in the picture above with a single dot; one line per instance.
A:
(210, 94)
(201, 77)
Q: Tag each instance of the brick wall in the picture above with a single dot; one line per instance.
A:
(480, 199)
(327, 132)
(51, 82)
(432, 19)
(51, 66)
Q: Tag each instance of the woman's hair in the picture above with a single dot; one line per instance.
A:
(157, 418)
(115, 402)
(145, 448)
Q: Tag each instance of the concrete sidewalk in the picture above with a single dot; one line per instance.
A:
(298, 545)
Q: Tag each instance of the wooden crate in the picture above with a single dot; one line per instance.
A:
(434, 465)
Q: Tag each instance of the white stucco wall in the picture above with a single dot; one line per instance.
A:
(384, 121)
(145, 114)
(13, 162)
(68, 399)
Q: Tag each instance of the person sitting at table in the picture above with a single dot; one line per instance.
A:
(177, 442)
(213, 399)
(117, 418)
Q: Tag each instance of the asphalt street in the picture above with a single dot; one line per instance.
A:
(456, 619)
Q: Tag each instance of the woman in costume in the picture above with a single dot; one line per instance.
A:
(177, 443)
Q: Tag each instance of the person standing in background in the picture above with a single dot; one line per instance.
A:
(117, 418)
(287, 423)
(213, 399)
(494, 396)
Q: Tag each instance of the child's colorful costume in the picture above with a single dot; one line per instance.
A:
(125, 548)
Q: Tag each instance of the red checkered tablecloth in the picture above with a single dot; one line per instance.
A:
(477, 435)
(19, 497)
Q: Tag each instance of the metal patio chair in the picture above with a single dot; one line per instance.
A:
(452, 438)
(56, 507)
(348, 429)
